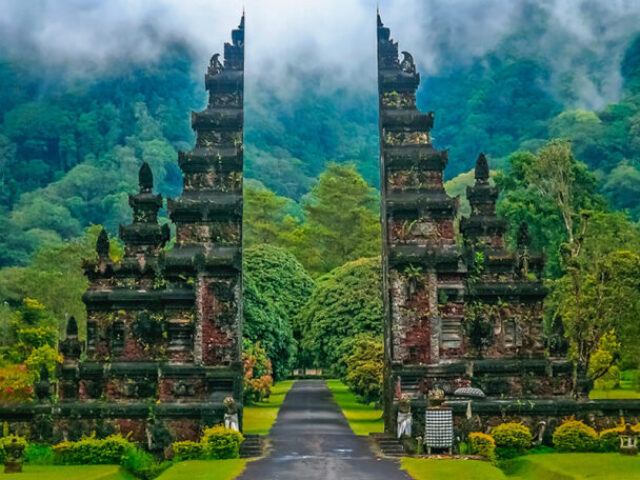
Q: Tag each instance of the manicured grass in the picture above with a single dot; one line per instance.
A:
(205, 470)
(431, 469)
(613, 394)
(363, 419)
(578, 466)
(258, 419)
(76, 472)
(548, 466)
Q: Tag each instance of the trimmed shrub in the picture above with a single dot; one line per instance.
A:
(142, 465)
(483, 445)
(188, 450)
(38, 454)
(512, 436)
(6, 440)
(609, 439)
(575, 436)
(219, 442)
(364, 369)
(93, 451)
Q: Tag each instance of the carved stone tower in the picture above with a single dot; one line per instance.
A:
(460, 310)
(164, 326)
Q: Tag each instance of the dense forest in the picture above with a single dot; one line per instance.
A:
(70, 149)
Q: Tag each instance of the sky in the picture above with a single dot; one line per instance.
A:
(89, 37)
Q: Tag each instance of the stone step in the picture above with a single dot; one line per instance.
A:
(253, 446)
(389, 445)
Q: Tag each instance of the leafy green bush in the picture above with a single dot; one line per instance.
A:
(8, 439)
(575, 436)
(38, 454)
(276, 288)
(511, 439)
(220, 442)
(93, 451)
(142, 464)
(364, 369)
(483, 445)
(188, 450)
(346, 302)
(609, 439)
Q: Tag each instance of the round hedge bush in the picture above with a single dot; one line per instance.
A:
(512, 435)
(221, 443)
(575, 436)
(483, 445)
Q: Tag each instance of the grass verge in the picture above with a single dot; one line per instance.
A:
(205, 470)
(75, 472)
(616, 394)
(548, 466)
(258, 419)
(363, 419)
(425, 468)
(575, 466)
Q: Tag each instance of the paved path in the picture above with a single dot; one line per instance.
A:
(311, 440)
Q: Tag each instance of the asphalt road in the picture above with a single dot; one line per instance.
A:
(311, 440)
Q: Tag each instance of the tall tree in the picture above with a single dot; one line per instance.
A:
(341, 222)
(600, 291)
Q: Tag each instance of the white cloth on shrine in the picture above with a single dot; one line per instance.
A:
(404, 424)
(231, 421)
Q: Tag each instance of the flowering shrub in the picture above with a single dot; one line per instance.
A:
(16, 384)
(512, 439)
(483, 445)
(258, 373)
(93, 451)
(575, 436)
(220, 442)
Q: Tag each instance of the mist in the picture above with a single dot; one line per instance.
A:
(334, 38)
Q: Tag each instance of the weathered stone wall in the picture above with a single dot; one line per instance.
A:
(460, 310)
(164, 327)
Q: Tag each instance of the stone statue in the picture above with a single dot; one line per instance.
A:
(231, 415)
(407, 65)
(215, 66)
(43, 387)
(13, 460)
(404, 417)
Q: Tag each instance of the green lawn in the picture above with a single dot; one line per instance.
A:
(550, 466)
(205, 470)
(613, 394)
(423, 469)
(578, 466)
(76, 472)
(258, 419)
(363, 419)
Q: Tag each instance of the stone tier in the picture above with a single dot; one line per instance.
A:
(424, 157)
(442, 259)
(223, 119)
(480, 226)
(406, 120)
(218, 159)
(225, 82)
(196, 258)
(141, 234)
(124, 298)
(203, 206)
(435, 204)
